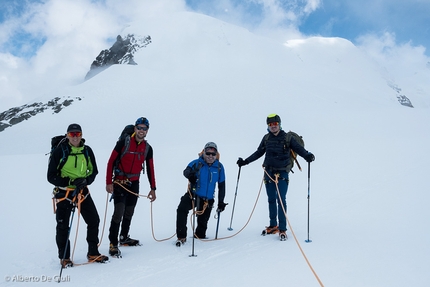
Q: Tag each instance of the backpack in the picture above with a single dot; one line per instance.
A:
(218, 155)
(293, 155)
(57, 142)
(125, 135)
(196, 168)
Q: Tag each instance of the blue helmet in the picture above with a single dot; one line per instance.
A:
(142, 121)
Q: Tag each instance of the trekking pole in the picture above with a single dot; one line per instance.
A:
(309, 197)
(67, 240)
(234, 202)
(217, 223)
(194, 224)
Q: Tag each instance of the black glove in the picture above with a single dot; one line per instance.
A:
(221, 206)
(192, 177)
(80, 183)
(241, 162)
(309, 157)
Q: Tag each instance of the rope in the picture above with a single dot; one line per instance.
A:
(249, 219)
(152, 229)
(104, 220)
(120, 183)
(201, 212)
(80, 198)
(291, 228)
(77, 225)
(247, 222)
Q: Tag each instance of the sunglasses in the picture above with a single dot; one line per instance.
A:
(210, 153)
(274, 124)
(74, 134)
(141, 128)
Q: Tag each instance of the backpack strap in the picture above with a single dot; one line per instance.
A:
(287, 139)
(126, 147)
(145, 153)
(65, 154)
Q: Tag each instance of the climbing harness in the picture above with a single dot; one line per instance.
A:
(67, 196)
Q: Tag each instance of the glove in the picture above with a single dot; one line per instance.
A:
(192, 177)
(241, 162)
(221, 206)
(309, 157)
(80, 183)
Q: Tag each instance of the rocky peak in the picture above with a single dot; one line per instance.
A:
(121, 52)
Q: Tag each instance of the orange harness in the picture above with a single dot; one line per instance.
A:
(76, 199)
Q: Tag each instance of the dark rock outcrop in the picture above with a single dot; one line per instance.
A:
(121, 52)
(16, 115)
(403, 100)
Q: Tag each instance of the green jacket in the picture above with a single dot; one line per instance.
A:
(80, 163)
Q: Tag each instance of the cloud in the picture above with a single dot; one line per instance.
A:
(10, 81)
(393, 34)
(46, 44)
(404, 63)
(52, 43)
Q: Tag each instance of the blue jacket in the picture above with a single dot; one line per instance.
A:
(207, 177)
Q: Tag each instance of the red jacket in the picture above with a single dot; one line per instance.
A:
(131, 163)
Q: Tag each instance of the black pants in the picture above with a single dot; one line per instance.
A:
(185, 205)
(91, 217)
(124, 204)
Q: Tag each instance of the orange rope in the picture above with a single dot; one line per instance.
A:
(104, 220)
(201, 239)
(247, 222)
(80, 199)
(152, 229)
(128, 190)
(152, 217)
(291, 228)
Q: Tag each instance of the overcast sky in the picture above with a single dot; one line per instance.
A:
(38, 37)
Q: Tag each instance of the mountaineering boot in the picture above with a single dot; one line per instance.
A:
(127, 241)
(66, 263)
(114, 250)
(180, 241)
(283, 235)
(270, 230)
(97, 258)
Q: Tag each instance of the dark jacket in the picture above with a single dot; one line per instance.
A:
(277, 151)
(70, 171)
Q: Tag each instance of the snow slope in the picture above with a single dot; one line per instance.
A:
(204, 80)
